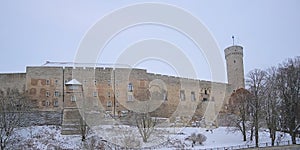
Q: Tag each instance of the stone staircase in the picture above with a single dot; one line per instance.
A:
(71, 122)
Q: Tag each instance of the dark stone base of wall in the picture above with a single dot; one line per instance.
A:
(41, 118)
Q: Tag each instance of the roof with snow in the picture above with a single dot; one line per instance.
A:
(73, 82)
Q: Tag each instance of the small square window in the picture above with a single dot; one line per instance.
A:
(56, 94)
(109, 104)
(55, 104)
(95, 94)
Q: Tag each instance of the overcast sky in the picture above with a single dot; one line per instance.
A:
(35, 31)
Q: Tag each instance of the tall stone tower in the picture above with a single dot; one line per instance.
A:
(235, 66)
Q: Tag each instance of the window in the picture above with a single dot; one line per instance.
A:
(55, 104)
(47, 93)
(205, 99)
(205, 92)
(56, 94)
(130, 87)
(182, 95)
(73, 98)
(47, 82)
(130, 98)
(193, 97)
(233, 61)
(165, 96)
(32, 91)
(109, 104)
(108, 94)
(95, 94)
(47, 103)
(56, 82)
(95, 82)
(73, 87)
(117, 94)
(108, 82)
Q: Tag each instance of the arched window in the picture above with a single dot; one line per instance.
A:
(130, 87)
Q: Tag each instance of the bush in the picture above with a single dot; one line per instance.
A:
(200, 138)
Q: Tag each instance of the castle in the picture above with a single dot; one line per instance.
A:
(65, 90)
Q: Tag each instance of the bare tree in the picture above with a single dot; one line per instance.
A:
(256, 82)
(239, 109)
(289, 91)
(145, 124)
(272, 103)
(13, 104)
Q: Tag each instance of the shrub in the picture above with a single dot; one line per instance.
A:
(194, 138)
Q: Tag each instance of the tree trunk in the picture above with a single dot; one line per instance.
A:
(251, 134)
(273, 136)
(293, 135)
(256, 137)
(256, 129)
(244, 131)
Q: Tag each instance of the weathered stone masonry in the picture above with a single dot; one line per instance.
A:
(114, 91)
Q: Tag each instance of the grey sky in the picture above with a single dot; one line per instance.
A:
(35, 31)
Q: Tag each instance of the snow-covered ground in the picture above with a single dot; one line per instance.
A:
(49, 137)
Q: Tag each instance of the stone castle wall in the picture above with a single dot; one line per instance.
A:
(106, 90)
(12, 81)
